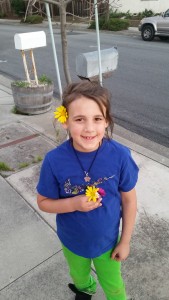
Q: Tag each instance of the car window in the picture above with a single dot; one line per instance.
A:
(166, 13)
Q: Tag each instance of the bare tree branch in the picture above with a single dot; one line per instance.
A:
(56, 2)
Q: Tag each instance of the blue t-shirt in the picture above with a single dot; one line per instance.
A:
(88, 234)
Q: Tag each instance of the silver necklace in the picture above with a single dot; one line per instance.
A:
(87, 178)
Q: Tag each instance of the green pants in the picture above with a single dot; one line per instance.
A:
(108, 273)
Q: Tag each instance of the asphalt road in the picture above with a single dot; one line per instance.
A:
(140, 86)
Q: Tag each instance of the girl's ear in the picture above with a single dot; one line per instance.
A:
(65, 125)
(107, 124)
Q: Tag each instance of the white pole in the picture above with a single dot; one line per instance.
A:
(98, 41)
(54, 49)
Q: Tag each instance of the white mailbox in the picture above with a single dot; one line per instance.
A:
(87, 65)
(30, 40)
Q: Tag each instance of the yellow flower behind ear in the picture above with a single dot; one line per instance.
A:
(61, 114)
(92, 193)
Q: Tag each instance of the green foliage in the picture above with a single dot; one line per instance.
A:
(93, 24)
(21, 83)
(34, 19)
(26, 164)
(15, 110)
(120, 21)
(4, 167)
(37, 159)
(23, 165)
(116, 24)
(113, 24)
(128, 15)
(18, 7)
(146, 13)
(116, 14)
(44, 79)
(2, 15)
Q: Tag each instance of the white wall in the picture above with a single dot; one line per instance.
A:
(135, 6)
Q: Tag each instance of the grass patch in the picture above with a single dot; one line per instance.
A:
(37, 159)
(23, 165)
(14, 110)
(4, 167)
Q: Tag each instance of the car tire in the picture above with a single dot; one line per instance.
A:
(147, 33)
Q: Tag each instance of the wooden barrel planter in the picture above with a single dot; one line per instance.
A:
(33, 100)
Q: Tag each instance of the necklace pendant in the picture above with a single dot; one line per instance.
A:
(87, 178)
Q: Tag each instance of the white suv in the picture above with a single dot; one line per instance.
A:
(155, 26)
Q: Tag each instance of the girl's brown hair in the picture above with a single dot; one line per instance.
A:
(93, 91)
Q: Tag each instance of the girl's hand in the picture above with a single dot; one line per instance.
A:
(121, 251)
(81, 203)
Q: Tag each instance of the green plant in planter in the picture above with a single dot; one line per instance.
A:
(21, 83)
(42, 80)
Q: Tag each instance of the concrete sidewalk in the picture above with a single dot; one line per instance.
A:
(31, 259)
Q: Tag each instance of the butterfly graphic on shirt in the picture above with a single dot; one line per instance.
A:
(76, 189)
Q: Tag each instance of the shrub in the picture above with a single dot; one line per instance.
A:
(2, 15)
(92, 25)
(146, 13)
(34, 19)
(116, 24)
(101, 23)
(112, 24)
(128, 15)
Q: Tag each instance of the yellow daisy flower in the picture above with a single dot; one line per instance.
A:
(61, 114)
(92, 193)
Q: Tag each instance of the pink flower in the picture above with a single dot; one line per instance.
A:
(102, 192)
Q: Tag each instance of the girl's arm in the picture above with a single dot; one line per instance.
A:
(59, 206)
(129, 209)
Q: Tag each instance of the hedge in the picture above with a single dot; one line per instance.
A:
(113, 24)
(34, 19)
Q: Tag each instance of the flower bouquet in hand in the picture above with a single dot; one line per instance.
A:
(94, 193)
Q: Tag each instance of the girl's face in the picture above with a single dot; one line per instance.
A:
(86, 124)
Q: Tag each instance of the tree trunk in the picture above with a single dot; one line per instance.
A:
(107, 14)
(64, 41)
(5, 7)
(29, 12)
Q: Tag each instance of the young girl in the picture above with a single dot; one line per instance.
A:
(89, 182)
